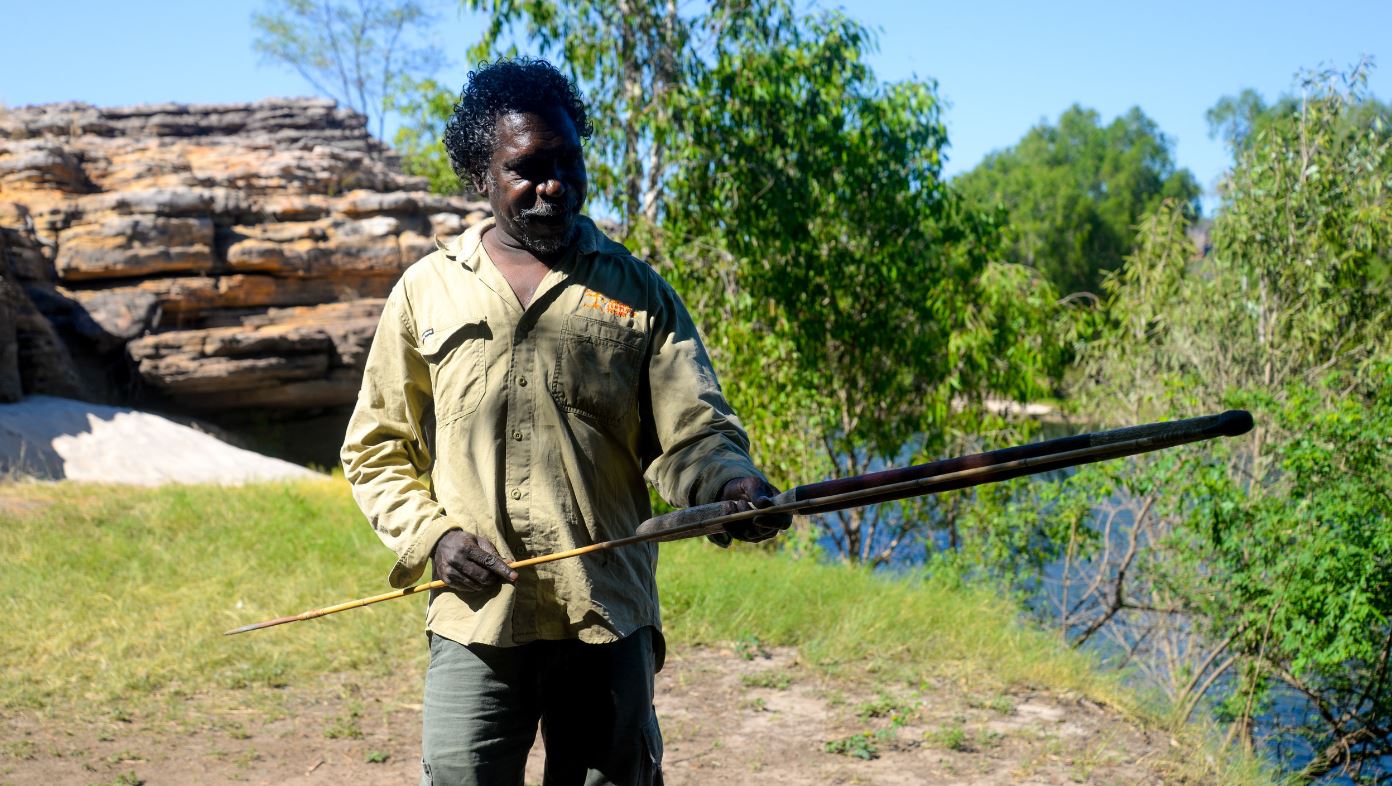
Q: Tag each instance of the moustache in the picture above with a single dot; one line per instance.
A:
(546, 210)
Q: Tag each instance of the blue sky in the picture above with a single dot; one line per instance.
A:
(1001, 66)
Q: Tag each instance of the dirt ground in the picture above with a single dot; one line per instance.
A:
(729, 716)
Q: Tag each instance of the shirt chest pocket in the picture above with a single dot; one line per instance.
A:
(458, 371)
(597, 369)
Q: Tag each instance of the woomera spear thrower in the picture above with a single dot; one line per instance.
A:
(891, 484)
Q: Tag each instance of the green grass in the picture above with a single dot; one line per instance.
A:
(949, 737)
(116, 593)
(865, 745)
(855, 624)
(113, 594)
(116, 599)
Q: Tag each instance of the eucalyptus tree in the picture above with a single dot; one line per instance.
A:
(354, 52)
(850, 294)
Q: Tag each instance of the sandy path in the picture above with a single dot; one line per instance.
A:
(726, 719)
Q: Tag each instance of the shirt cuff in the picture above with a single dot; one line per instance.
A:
(410, 564)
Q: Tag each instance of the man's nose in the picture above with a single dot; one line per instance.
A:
(552, 187)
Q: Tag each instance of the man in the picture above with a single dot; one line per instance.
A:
(523, 381)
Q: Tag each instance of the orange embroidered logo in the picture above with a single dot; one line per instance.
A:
(594, 300)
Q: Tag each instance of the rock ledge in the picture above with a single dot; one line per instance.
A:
(226, 260)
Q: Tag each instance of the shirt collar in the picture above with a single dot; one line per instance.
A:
(591, 241)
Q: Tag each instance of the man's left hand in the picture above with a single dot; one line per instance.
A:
(756, 492)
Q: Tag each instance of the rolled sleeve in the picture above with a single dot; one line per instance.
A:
(698, 442)
(386, 455)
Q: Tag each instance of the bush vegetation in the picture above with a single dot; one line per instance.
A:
(1257, 571)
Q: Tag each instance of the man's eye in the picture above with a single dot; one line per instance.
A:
(529, 171)
(538, 170)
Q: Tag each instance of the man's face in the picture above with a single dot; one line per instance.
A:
(536, 180)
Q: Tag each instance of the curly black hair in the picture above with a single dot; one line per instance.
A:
(502, 87)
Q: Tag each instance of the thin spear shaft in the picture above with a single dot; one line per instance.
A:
(709, 519)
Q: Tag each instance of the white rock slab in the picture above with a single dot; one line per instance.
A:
(57, 438)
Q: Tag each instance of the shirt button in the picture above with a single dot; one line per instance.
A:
(517, 435)
(517, 494)
(522, 381)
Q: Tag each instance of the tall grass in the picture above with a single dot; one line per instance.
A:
(851, 621)
(115, 593)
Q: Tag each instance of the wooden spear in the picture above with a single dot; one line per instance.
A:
(931, 478)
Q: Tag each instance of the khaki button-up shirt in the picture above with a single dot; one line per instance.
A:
(535, 428)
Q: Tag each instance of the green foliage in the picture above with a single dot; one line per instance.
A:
(884, 706)
(798, 161)
(865, 745)
(1072, 193)
(1245, 119)
(1306, 567)
(351, 52)
(1237, 119)
(426, 106)
(1258, 567)
(844, 289)
(951, 737)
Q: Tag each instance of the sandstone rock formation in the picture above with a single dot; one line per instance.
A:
(32, 357)
(223, 258)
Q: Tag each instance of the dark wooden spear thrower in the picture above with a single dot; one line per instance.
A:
(891, 484)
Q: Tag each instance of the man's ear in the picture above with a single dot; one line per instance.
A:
(481, 182)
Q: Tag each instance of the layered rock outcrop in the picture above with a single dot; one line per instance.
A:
(216, 258)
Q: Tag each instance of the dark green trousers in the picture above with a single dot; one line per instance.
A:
(593, 703)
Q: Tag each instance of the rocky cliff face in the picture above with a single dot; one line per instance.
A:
(215, 258)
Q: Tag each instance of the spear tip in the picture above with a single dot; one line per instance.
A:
(266, 624)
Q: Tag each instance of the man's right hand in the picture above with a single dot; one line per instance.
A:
(469, 563)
